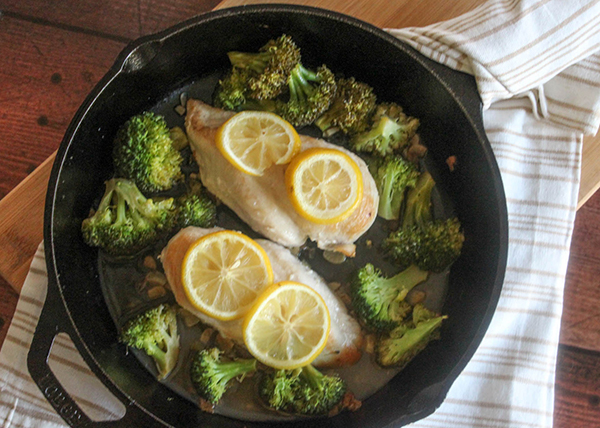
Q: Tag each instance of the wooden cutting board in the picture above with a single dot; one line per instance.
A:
(22, 210)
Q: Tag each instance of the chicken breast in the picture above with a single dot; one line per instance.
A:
(262, 202)
(345, 338)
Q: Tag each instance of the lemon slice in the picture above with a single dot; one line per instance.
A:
(224, 272)
(255, 140)
(324, 185)
(288, 326)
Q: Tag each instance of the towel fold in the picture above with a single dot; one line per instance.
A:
(545, 50)
(537, 67)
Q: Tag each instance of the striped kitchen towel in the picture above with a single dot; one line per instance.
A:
(537, 68)
(538, 71)
(22, 405)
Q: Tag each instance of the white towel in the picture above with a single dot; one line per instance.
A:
(538, 71)
(537, 68)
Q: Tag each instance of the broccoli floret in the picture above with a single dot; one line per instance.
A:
(380, 302)
(276, 388)
(155, 333)
(310, 95)
(195, 208)
(433, 245)
(404, 342)
(211, 375)
(393, 176)
(126, 221)
(304, 391)
(268, 69)
(390, 131)
(232, 90)
(143, 152)
(350, 109)
(232, 94)
(316, 393)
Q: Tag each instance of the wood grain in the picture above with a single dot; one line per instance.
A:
(577, 389)
(120, 20)
(581, 311)
(46, 73)
(590, 169)
(20, 235)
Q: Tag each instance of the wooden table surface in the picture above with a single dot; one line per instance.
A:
(52, 53)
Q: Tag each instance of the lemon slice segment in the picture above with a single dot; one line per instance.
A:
(324, 185)
(288, 326)
(255, 140)
(224, 272)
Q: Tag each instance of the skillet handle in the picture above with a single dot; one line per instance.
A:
(54, 320)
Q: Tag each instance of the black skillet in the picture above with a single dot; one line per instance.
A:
(149, 74)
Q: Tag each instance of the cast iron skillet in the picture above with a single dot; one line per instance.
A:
(151, 70)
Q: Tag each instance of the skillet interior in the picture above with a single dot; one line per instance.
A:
(154, 68)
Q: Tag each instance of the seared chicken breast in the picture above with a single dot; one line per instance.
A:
(262, 202)
(345, 338)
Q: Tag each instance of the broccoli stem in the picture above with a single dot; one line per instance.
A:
(231, 369)
(325, 122)
(295, 91)
(389, 207)
(159, 356)
(131, 201)
(299, 83)
(312, 376)
(121, 211)
(405, 281)
(132, 195)
(418, 202)
(107, 198)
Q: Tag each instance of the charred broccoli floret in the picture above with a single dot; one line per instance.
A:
(268, 69)
(195, 208)
(256, 79)
(408, 339)
(211, 375)
(350, 109)
(310, 94)
(390, 131)
(393, 176)
(126, 221)
(380, 302)
(155, 333)
(304, 391)
(433, 245)
(143, 152)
